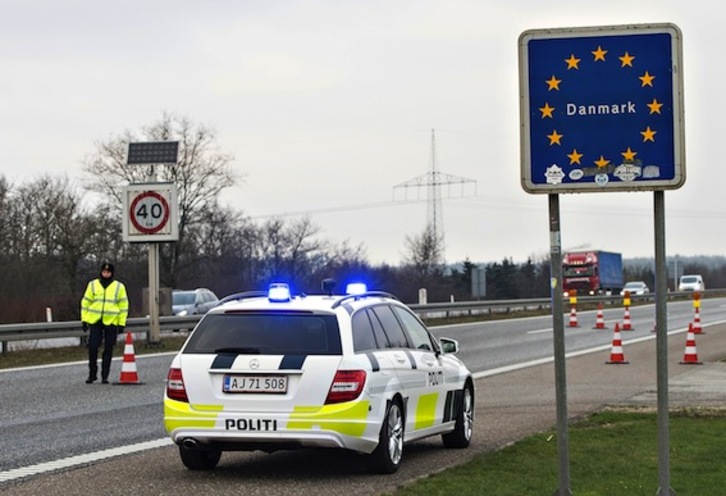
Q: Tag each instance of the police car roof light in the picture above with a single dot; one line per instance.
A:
(278, 291)
(356, 288)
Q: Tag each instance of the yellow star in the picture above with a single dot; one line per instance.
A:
(601, 162)
(554, 137)
(599, 53)
(626, 59)
(553, 83)
(546, 111)
(648, 134)
(629, 155)
(647, 79)
(572, 62)
(574, 156)
(654, 106)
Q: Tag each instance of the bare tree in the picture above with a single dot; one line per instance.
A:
(45, 234)
(287, 249)
(201, 173)
(425, 254)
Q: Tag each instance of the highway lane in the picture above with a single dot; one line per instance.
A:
(49, 413)
(497, 344)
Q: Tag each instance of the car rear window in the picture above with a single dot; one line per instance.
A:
(266, 333)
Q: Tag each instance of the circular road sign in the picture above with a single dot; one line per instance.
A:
(149, 212)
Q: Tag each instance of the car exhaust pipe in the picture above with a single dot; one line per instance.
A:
(189, 443)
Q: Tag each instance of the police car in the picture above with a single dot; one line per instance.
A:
(270, 371)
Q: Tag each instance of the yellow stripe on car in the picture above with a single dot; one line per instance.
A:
(426, 410)
(178, 414)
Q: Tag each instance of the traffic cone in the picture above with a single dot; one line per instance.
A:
(600, 320)
(129, 376)
(573, 317)
(626, 320)
(616, 354)
(697, 322)
(690, 356)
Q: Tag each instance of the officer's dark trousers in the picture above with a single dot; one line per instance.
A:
(98, 333)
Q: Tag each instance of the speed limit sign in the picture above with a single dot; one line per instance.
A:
(151, 213)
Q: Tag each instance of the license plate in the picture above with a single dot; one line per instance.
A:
(273, 384)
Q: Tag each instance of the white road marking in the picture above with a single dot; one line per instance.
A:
(74, 461)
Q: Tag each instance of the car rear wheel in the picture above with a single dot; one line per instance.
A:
(460, 437)
(387, 456)
(195, 459)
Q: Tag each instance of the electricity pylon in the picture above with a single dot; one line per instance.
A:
(432, 181)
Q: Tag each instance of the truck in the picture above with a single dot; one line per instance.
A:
(592, 272)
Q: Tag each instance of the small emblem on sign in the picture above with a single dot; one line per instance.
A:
(651, 171)
(627, 172)
(554, 174)
(601, 179)
(576, 174)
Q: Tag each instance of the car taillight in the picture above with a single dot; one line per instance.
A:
(347, 386)
(175, 386)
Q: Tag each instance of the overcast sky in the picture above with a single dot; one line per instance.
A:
(327, 105)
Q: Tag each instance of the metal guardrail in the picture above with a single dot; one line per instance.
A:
(69, 329)
(74, 329)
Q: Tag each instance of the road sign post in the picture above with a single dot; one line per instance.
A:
(151, 215)
(601, 110)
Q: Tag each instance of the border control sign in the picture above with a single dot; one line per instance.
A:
(601, 109)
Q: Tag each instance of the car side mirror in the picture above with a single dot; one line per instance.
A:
(449, 345)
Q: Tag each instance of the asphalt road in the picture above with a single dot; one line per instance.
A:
(509, 406)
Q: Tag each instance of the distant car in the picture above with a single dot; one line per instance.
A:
(193, 301)
(272, 371)
(693, 282)
(635, 288)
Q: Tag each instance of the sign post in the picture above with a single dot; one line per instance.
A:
(601, 110)
(151, 216)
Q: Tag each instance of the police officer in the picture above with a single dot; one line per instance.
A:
(104, 309)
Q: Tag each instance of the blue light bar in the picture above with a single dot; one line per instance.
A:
(356, 288)
(278, 291)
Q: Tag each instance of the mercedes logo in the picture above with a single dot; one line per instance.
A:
(254, 363)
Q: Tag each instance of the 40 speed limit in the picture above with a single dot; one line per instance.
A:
(149, 212)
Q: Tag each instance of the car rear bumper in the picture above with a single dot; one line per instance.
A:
(345, 425)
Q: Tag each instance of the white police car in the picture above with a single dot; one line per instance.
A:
(271, 371)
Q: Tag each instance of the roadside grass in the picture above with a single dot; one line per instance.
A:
(612, 453)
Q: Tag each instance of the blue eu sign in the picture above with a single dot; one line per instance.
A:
(601, 109)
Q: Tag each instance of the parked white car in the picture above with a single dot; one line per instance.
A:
(273, 371)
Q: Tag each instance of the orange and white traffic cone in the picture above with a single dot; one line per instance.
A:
(616, 353)
(573, 317)
(626, 320)
(697, 322)
(129, 375)
(600, 320)
(690, 356)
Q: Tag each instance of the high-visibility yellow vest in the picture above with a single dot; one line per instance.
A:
(110, 304)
